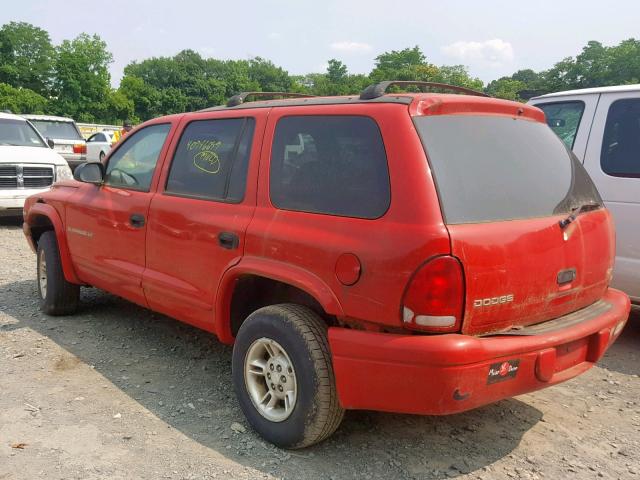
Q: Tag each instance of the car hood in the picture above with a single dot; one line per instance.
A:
(14, 154)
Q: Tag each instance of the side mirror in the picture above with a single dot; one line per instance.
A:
(92, 172)
(50, 142)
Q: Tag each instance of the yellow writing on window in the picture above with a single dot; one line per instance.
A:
(206, 159)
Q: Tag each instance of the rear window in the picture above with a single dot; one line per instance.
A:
(334, 165)
(564, 119)
(57, 130)
(491, 168)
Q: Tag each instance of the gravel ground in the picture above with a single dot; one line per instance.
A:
(117, 391)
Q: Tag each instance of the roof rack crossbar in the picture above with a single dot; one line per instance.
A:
(242, 97)
(379, 89)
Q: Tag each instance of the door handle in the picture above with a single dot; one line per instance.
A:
(136, 220)
(228, 240)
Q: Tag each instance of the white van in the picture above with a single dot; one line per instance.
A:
(602, 127)
(27, 164)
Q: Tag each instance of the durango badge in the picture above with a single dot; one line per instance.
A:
(501, 371)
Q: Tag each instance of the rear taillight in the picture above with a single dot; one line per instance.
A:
(434, 299)
(80, 148)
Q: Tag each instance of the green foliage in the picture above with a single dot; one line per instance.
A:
(26, 57)
(506, 88)
(596, 66)
(73, 79)
(82, 81)
(21, 100)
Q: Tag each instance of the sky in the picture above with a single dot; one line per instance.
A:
(492, 38)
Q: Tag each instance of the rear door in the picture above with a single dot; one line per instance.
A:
(613, 161)
(504, 184)
(197, 222)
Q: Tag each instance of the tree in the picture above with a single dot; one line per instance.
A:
(506, 88)
(21, 100)
(456, 75)
(118, 107)
(82, 80)
(145, 99)
(407, 64)
(26, 57)
(336, 71)
(269, 77)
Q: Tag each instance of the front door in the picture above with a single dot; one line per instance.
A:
(198, 219)
(106, 225)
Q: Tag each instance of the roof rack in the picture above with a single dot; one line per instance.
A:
(379, 89)
(242, 97)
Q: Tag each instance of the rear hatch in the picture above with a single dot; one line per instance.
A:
(505, 183)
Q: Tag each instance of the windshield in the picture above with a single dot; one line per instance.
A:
(491, 168)
(18, 133)
(57, 130)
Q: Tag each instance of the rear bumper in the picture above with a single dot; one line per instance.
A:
(443, 374)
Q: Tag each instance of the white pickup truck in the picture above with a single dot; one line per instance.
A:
(27, 164)
(602, 127)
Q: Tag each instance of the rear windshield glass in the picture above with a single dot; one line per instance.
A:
(490, 168)
(57, 130)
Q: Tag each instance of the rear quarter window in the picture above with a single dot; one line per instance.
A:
(333, 165)
(564, 119)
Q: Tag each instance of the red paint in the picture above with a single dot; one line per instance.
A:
(358, 270)
(44, 210)
(421, 373)
(516, 257)
(348, 269)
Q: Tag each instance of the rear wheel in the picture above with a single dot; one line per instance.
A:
(57, 296)
(283, 376)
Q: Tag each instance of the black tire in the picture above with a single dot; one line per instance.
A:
(101, 157)
(60, 297)
(303, 335)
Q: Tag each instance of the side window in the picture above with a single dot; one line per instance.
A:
(211, 160)
(133, 164)
(564, 119)
(334, 165)
(620, 155)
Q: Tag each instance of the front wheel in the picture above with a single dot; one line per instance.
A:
(57, 296)
(283, 376)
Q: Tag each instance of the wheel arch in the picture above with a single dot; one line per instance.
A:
(42, 218)
(286, 283)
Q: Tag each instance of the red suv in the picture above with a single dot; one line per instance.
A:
(422, 253)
